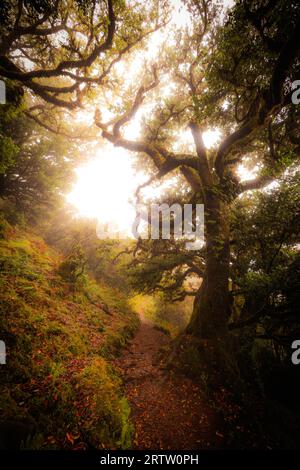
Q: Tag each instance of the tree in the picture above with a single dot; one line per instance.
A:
(35, 167)
(237, 76)
(60, 52)
(72, 268)
(8, 113)
(265, 270)
(28, 36)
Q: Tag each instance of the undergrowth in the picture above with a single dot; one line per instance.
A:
(58, 382)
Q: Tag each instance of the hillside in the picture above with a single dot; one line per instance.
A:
(59, 385)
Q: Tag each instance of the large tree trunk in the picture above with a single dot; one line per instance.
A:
(211, 343)
(212, 303)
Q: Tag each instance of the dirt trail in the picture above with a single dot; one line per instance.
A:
(168, 410)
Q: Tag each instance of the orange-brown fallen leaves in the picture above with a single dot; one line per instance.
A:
(169, 411)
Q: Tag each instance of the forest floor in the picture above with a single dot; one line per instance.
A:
(169, 410)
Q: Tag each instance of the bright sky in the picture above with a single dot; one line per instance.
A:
(105, 186)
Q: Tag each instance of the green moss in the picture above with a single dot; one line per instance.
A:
(107, 423)
(59, 344)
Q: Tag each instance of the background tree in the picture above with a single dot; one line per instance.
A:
(35, 168)
(265, 268)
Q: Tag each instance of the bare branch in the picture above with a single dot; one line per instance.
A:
(140, 96)
(57, 131)
(205, 173)
(164, 160)
(10, 70)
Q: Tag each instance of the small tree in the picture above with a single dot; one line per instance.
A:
(72, 269)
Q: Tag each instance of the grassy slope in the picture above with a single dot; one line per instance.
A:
(58, 378)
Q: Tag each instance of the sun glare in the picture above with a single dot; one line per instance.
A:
(245, 174)
(211, 137)
(105, 188)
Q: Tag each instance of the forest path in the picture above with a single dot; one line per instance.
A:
(168, 410)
